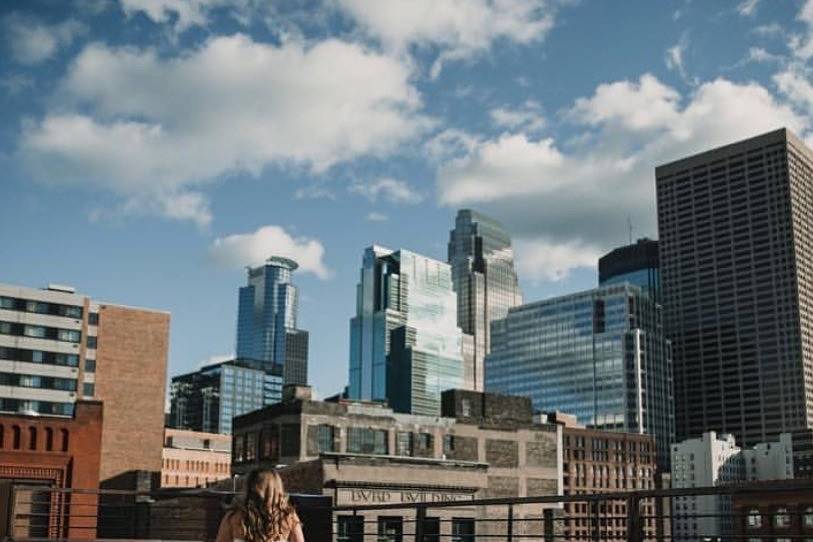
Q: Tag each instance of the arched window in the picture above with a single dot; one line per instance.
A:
(16, 437)
(2, 436)
(32, 438)
(807, 518)
(49, 439)
(754, 519)
(781, 518)
(64, 434)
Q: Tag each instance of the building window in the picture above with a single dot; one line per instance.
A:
(324, 438)
(16, 437)
(88, 389)
(448, 444)
(362, 440)
(463, 530)
(32, 438)
(93, 319)
(807, 519)
(350, 529)
(49, 439)
(431, 529)
(781, 518)
(92, 341)
(754, 520)
(251, 447)
(404, 444)
(65, 436)
(238, 448)
(90, 365)
(390, 529)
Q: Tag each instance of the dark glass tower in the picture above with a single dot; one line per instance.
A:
(486, 284)
(736, 254)
(636, 264)
(266, 320)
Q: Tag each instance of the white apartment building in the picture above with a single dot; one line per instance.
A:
(714, 460)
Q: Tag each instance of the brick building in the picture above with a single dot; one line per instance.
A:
(483, 445)
(195, 459)
(782, 512)
(58, 346)
(597, 461)
(38, 452)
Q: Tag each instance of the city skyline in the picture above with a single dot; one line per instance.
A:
(495, 119)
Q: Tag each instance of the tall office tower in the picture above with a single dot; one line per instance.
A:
(57, 346)
(405, 346)
(600, 355)
(636, 264)
(266, 320)
(486, 283)
(736, 253)
(206, 400)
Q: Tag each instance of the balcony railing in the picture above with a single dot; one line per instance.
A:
(764, 512)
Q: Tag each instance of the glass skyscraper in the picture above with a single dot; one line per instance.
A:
(207, 399)
(600, 355)
(405, 346)
(636, 264)
(266, 320)
(486, 283)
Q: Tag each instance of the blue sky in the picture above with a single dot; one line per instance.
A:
(150, 149)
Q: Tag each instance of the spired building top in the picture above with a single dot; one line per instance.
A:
(486, 283)
(266, 320)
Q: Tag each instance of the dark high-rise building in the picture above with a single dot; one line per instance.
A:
(266, 320)
(207, 399)
(736, 255)
(486, 284)
(636, 264)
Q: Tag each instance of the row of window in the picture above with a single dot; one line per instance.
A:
(32, 439)
(39, 356)
(40, 407)
(781, 519)
(40, 332)
(41, 307)
(391, 529)
(37, 381)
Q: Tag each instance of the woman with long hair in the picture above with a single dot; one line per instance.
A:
(262, 514)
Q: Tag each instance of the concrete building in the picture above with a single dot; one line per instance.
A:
(736, 257)
(636, 264)
(603, 462)
(58, 346)
(267, 320)
(483, 445)
(206, 400)
(45, 451)
(405, 346)
(195, 459)
(714, 460)
(486, 285)
(600, 355)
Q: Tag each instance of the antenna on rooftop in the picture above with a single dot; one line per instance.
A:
(629, 227)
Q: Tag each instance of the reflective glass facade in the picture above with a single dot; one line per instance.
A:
(266, 319)
(208, 399)
(600, 355)
(637, 264)
(486, 284)
(405, 346)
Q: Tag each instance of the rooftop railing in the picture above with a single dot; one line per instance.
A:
(764, 512)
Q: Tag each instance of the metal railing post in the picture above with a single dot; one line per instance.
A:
(420, 518)
(547, 515)
(510, 524)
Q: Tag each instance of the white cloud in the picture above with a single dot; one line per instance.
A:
(182, 14)
(141, 125)
(32, 41)
(16, 83)
(569, 201)
(386, 188)
(254, 248)
(376, 217)
(794, 83)
(802, 45)
(461, 29)
(746, 8)
(675, 57)
(551, 261)
(528, 116)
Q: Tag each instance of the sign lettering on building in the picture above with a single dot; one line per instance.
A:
(383, 496)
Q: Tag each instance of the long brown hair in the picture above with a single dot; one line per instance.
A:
(267, 515)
